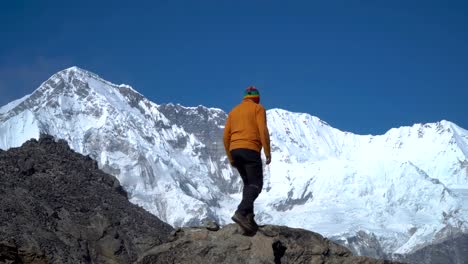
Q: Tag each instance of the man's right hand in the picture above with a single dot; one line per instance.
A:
(268, 160)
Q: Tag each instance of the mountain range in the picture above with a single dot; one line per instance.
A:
(380, 195)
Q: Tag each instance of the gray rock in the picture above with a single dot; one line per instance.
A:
(271, 244)
(363, 244)
(453, 250)
(210, 225)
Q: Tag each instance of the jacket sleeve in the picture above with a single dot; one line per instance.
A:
(263, 130)
(227, 138)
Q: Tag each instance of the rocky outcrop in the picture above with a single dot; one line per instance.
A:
(453, 250)
(56, 206)
(362, 244)
(271, 244)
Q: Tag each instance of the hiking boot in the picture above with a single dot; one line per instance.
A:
(251, 219)
(243, 222)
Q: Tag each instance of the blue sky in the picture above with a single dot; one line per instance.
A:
(362, 66)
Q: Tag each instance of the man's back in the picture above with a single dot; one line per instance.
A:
(244, 125)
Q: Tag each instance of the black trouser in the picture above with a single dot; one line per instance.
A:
(249, 164)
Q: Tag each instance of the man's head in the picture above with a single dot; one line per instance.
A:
(252, 93)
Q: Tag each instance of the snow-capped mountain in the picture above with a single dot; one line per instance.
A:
(402, 190)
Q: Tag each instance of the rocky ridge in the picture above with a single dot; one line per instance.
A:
(271, 244)
(58, 207)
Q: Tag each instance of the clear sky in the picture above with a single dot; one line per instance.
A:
(362, 66)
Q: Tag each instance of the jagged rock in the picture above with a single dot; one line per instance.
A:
(210, 225)
(9, 253)
(453, 250)
(271, 244)
(57, 207)
(362, 244)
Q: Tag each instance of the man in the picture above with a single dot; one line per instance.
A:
(245, 134)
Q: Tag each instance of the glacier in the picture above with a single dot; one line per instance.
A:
(406, 188)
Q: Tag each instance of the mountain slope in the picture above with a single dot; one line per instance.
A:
(58, 207)
(401, 187)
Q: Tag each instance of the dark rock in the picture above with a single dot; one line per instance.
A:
(57, 207)
(453, 250)
(10, 253)
(271, 244)
(26, 167)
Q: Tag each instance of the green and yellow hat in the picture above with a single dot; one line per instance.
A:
(252, 93)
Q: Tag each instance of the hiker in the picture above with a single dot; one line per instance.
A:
(245, 133)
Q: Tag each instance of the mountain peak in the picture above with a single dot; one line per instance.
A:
(84, 86)
(74, 68)
(75, 72)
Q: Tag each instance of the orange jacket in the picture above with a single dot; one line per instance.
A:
(246, 127)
